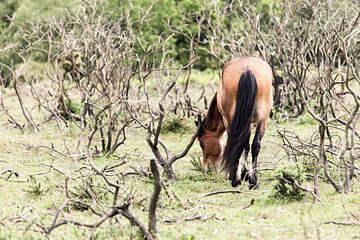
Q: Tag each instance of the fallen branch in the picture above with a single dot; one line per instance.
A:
(194, 218)
(222, 192)
(343, 223)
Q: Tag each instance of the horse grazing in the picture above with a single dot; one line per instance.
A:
(244, 96)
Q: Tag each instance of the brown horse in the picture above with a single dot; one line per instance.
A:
(244, 96)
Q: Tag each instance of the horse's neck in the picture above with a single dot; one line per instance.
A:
(217, 124)
(214, 121)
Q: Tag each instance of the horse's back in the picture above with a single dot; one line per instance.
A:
(228, 87)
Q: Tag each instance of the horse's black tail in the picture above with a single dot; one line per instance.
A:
(239, 130)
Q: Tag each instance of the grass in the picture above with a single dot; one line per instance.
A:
(34, 193)
(39, 190)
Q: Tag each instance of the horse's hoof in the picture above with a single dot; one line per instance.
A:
(253, 184)
(235, 182)
(245, 174)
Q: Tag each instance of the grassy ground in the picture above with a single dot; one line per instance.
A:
(184, 212)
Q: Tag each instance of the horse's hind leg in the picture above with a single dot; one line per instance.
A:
(245, 169)
(255, 149)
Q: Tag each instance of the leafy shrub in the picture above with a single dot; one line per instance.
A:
(306, 119)
(87, 195)
(35, 189)
(175, 124)
(69, 107)
(73, 106)
(283, 189)
(198, 166)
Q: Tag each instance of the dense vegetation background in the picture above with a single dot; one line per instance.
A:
(180, 19)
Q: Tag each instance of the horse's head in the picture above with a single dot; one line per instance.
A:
(212, 142)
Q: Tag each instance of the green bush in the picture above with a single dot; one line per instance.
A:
(69, 107)
(23, 13)
(283, 189)
(306, 119)
(178, 21)
(175, 124)
(85, 192)
(186, 19)
(35, 188)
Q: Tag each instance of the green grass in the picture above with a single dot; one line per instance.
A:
(222, 216)
(39, 190)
